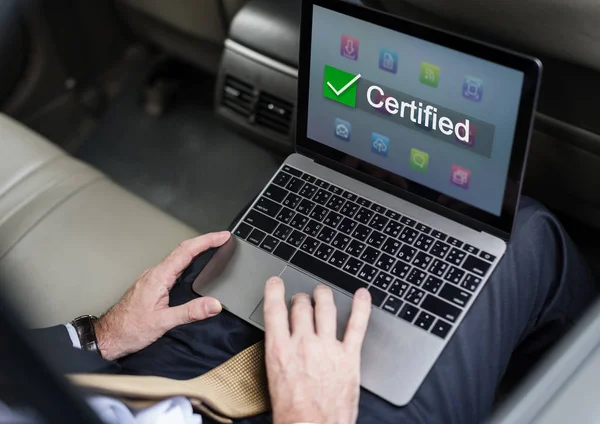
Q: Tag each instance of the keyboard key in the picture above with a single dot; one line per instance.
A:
(471, 282)
(352, 265)
(438, 235)
(305, 206)
(408, 235)
(414, 295)
(379, 222)
(376, 239)
(432, 284)
(298, 221)
(296, 238)
(441, 329)
(423, 242)
(295, 185)
(393, 228)
(476, 265)
(292, 200)
(367, 273)
(439, 249)
(347, 226)
(335, 190)
(454, 242)
(335, 203)
(455, 256)
(391, 246)
(267, 207)
(400, 269)
(282, 231)
(398, 288)
(438, 267)
(341, 241)
(333, 219)
(292, 171)
(256, 236)
(322, 197)
(242, 230)
(338, 258)
(416, 277)
(308, 178)
(312, 228)
(361, 232)
(454, 275)
(385, 262)
(424, 320)
(350, 196)
(377, 296)
(471, 249)
(455, 295)
(284, 251)
(308, 190)
(349, 209)
(383, 280)
(282, 179)
(355, 248)
(487, 256)
(406, 253)
(392, 305)
(378, 208)
(408, 221)
(285, 215)
(393, 215)
(261, 221)
(408, 312)
(318, 213)
(369, 255)
(440, 308)
(323, 252)
(422, 260)
(322, 184)
(326, 235)
(363, 202)
(364, 215)
(309, 245)
(275, 193)
(423, 228)
(269, 244)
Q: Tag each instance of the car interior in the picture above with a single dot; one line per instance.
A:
(127, 126)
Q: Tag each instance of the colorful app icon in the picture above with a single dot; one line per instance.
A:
(472, 134)
(472, 89)
(388, 60)
(340, 85)
(349, 47)
(419, 160)
(460, 176)
(430, 74)
(380, 144)
(342, 129)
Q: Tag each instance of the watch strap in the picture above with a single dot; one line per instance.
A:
(84, 326)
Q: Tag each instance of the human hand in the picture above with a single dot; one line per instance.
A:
(143, 313)
(313, 377)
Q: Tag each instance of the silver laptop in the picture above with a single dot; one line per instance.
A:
(411, 145)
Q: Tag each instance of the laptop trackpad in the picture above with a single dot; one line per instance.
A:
(298, 282)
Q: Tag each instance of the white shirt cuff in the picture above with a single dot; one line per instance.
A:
(73, 335)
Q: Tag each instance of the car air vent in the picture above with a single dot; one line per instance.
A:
(238, 96)
(274, 113)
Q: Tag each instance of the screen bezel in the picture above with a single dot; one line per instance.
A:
(471, 216)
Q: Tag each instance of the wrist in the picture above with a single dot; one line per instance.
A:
(108, 345)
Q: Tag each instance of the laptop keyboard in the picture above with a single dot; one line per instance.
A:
(413, 271)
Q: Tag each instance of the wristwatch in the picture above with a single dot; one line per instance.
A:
(84, 326)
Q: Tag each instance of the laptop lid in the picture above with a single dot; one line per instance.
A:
(435, 118)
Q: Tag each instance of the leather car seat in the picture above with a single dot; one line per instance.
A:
(71, 241)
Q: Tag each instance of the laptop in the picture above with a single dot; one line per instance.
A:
(411, 146)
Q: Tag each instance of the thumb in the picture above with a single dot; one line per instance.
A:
(194, 310)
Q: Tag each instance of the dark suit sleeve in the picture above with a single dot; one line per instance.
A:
(55, 344)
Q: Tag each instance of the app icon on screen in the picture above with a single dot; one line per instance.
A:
(388, 60)
(460, 176)
(380, 144)
(472, 89)
(430, 74)
(419, 160)
(349, 47)
(472, 134)
(342, 129)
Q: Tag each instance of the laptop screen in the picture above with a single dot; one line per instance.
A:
(439, 120)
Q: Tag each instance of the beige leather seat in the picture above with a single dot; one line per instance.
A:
(71, 241)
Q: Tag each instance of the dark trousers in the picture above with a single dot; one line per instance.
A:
(533, 297)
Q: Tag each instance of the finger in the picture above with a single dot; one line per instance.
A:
(359, 318)
(182, 256)
(302, 315)
(275, 310)
(194, 310)
(325, 312)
